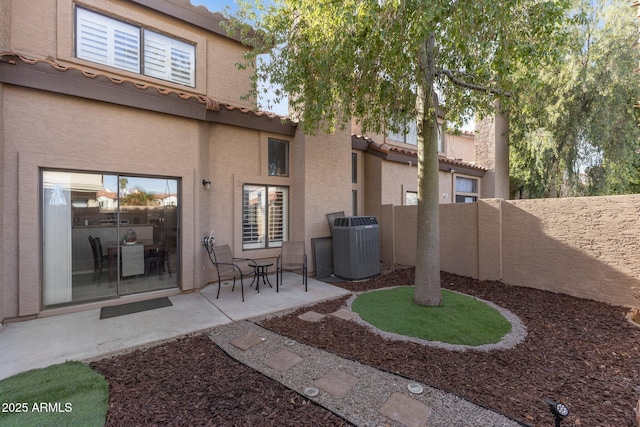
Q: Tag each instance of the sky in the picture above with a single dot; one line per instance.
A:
(280, 108)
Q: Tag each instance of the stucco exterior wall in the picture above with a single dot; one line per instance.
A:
(397, 179)
(50, 34)
(327, 166)
(373, 185)
(585, 247)
(43, 130)
(33, 33)
(486, 154)
(4, 244)
(460, 147)
(359, 186)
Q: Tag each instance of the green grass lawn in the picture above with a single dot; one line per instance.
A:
(68, 394)
(460, 320)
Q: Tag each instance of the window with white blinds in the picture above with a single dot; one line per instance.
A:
(265, 214)
(108, 41)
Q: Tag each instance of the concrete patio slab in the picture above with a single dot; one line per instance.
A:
(269, 301)
(42, 342)
(83, 335)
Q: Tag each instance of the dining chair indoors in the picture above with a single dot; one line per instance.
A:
(99, 259)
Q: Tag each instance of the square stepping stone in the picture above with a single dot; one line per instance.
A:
(245, 342)
(345, 314)
(406, 410)
(283, 360)
(311, 316)
(337, 383)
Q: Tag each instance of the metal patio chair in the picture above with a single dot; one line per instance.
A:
(227, 266)
(292, 258)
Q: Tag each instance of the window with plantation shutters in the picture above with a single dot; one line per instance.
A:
(169, 59)
(264, 216)
(108, 41)
(277, 216)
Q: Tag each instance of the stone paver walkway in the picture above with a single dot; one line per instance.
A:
(361, 394)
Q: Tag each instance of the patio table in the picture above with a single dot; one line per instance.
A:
(260, 271)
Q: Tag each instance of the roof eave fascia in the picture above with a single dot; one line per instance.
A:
(43, 76)
(183, 10)
(367, 145)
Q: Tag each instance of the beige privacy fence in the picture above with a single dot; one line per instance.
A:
(588, 247)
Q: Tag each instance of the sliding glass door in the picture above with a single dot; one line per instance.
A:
(107, 235)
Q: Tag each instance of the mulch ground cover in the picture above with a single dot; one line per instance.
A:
(584, 353)
(191, 382)
(581, 352)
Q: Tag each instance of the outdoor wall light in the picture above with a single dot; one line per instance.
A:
(452, 170)
(207, 184)
(559, 410)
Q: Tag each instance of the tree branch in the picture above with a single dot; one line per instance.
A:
(457, 81)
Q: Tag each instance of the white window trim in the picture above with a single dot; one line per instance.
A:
(266, 225)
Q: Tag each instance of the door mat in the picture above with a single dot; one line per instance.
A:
(134, 307)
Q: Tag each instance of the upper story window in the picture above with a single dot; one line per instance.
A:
(466, 190)
(278, 157)
(408, 134)
(354, 168)
(111, 42)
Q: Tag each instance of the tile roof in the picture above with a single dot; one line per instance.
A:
(210, 104)
(387, 149)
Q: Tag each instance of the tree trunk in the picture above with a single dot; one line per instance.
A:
(427, 280)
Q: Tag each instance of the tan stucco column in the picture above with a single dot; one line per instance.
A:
(492, 152)
(501, 152)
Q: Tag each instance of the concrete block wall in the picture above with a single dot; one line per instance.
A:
(585, 247)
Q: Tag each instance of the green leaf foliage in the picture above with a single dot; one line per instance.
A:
(574, 125)
(360, 59)
(381, 63)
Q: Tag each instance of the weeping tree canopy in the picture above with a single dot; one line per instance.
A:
(575, 129)
(382, 62)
